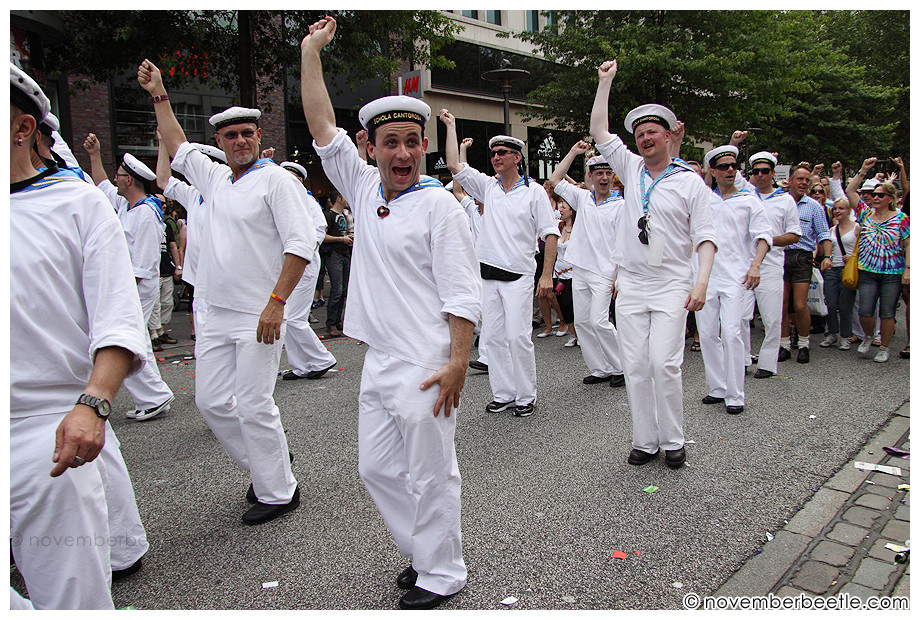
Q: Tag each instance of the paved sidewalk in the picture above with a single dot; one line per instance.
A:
(836, 543)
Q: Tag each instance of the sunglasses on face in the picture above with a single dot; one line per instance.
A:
(817, 191)
(501, 152)
(724, 167)
(879, 194)
(643, 230)
(756, 171)
(232, 135)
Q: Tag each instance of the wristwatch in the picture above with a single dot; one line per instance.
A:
(102, 407)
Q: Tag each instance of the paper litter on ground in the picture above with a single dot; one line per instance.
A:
(896, 471)
(650, 489)
(568, 599)
(895, 548)
(619, 555)
(269, 584)
(509, 601)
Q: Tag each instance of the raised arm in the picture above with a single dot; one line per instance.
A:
(465, 144)
(150, 79)
(361, 143)
(163, 171)
(599, 127)
(902, 173)
(96, 168)
(579, 148)
(317, 107)
(677, 138)
(451, 149)
(857, 180)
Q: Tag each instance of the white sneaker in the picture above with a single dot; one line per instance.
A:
(830, 341)
(131, 414)
(146, 414)
(864, 347)
(844, 345)
(571, 343)
(882, 355)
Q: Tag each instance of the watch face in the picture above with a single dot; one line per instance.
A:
(104, 408)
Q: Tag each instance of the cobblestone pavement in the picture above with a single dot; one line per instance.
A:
(836, 544)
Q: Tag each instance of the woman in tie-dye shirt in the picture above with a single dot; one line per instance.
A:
(884, 257)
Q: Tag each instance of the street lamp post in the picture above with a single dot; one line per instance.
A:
(504, 76)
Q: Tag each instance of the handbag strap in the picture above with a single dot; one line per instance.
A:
(840, 241)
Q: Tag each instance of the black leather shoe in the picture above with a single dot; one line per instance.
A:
(406, 579)
(784, 354)
(640, 457)
(734, 409)
(591, 379)
(290, 375)
(165, 339)
(762, 374)
(418, 598)
(711, 400)
(316, 374)
(263, 513)
(125, 572)
(477, 365)
(803, 356)
(617, 380)
(675, 458)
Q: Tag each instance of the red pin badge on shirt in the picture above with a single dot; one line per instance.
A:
(382, 211)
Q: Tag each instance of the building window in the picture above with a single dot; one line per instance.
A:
(533, 21)
(494, 17)
(470, 14)
(472, 60)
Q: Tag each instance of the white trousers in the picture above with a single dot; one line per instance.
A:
(305, 352)
(596, 334)
(407, 460)
(651, 318)
(234, 382)
(127, 536)
(769, 297)
(59, 530)
(506, 332)
(147, 387)
(161, 314)
(719, 325)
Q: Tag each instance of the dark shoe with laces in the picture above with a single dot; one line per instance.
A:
(675, 458)
(712, 400)
(497, 407)
(640, 457)
(763, 374)
(617, 381)
(419, 598)
(406, 579)
(784, 354)
(523, 411)
(803, 356)
(592, 379)
(734, 409)
(263, 513)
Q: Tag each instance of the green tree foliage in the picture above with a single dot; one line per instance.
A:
(250, 52)
(787, 73)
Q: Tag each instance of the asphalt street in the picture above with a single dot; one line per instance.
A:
(547, 500)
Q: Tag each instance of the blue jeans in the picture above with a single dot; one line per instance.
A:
(839, 301)
(881, 288)
(337, 266)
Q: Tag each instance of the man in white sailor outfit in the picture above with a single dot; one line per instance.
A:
(667, 206)
(193, 269)
(258, 245)
(413, 259)
(590, 249)
(141, 218)
(75, 326)
(308, 358)
(783, 218)
(517, 212)
(740, 224)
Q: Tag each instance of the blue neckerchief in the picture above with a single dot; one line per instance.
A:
(740, 192)
(49, 180)
(514, 187)
(614, 195)
(153, 202)
(422, 184)
(778, 190)
(260, 163)
(676, 165)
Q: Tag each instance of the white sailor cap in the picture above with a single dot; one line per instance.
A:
(51, 123)
(27, 95)
(295, 167)
(394, 109)
(764, 157)
(650, 113)
(234, 115)
(721, 151)
(137, 169)
(869, 185)
(211, 151)
(508, 141)
(598, 163)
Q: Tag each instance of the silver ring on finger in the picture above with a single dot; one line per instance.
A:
(79, 460)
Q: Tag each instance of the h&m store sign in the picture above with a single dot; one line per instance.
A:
(410, 84)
